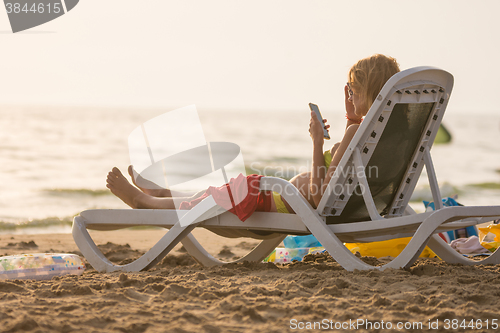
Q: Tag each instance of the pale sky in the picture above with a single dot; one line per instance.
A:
(244, 55)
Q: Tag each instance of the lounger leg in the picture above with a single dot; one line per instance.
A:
(88, 247)
(411, 252)
(331, 242)
(425, 235)
(205, 209)
(448, 254)
(314, 223)
(261, 251)
(95, 257)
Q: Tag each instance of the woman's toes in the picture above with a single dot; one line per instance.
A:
(117, 172)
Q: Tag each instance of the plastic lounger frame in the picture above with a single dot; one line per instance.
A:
(386, 217)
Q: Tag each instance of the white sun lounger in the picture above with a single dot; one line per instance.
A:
(366, 200)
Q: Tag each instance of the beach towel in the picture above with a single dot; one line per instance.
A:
(468, 245)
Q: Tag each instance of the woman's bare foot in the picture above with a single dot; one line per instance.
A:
(121, 187)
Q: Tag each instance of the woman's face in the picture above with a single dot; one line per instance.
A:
(359, 105)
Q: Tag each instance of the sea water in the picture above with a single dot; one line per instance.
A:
(55, 160)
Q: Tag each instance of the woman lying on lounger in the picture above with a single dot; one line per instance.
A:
(365, 80)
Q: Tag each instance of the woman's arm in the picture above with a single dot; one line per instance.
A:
(320, 177)
(346, 140)
(318, 169)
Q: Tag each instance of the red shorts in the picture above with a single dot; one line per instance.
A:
(249, 201)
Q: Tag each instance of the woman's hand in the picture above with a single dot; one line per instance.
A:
(349, 106)
(316, 129)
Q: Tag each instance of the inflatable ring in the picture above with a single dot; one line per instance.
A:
(40, 266)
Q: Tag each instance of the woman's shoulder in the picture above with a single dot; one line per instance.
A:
(349, 133)
(351, 129)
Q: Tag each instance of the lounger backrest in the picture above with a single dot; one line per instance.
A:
(389, 147)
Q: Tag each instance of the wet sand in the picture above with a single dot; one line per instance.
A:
(179, 295)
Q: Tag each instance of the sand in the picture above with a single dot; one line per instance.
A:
(179, 295)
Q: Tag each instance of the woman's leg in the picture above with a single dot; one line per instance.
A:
(157, 198)
(302, 182)
(135, 198)
(151, 188)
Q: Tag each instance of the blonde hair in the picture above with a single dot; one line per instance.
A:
(369, 75)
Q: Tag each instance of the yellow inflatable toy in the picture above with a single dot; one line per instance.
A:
(392, 247)
(494, 229)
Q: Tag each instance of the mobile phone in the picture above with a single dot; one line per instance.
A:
(315, 108)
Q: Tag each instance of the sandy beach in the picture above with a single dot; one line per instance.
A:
(180, 295)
